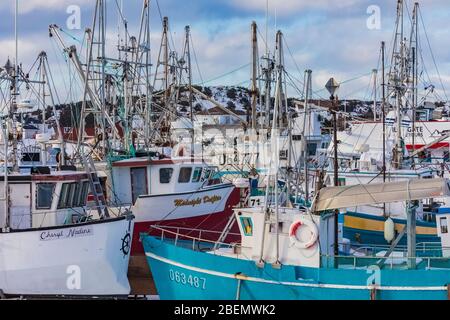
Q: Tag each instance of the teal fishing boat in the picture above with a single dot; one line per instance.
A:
(287, 253)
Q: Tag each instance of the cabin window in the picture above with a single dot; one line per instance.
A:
(138, 182)
(206, 174)
(71, 196)
(76, 195)
(444, 226)
(84, 193)
(63, 196)
(247, 226)
(165, 175)
(44, 196)
(185, 175)
(197, 174)
(311, 149)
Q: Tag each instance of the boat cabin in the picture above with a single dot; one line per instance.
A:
(44, 198)
(134, 177)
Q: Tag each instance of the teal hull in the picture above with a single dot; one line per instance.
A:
(182, 273)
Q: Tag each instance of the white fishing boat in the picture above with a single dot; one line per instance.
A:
(52, 244)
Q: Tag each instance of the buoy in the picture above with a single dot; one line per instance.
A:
(389, 230)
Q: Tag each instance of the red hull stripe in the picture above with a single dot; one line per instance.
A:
(434, 146)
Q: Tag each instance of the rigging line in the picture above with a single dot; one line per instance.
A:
(432, 54)
(124, 21)
(69, 35)
(195, 58)
(228, 73)
(55, 52)
(262, 37)
(292, 83)
(292, 56)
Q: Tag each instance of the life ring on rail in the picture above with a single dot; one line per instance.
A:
(293, 234)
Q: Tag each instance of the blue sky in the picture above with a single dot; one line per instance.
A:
(329, 37)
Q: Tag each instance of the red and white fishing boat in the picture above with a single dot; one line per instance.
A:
(182, 193)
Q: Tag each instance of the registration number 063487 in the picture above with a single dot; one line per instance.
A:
(187, 279)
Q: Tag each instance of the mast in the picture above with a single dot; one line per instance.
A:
(149, 89)
(306, 117)
(49, 77)
(15, 93)
(102, 58)
(396, 81)
(274, 135)
(415, 72)
(165, 39)
(254, 92)
(187, 54)
(383, 108)
(375, 74)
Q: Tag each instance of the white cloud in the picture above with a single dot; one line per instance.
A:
(283, 7)
(27, 6)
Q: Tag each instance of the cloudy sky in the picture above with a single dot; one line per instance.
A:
(330, 37)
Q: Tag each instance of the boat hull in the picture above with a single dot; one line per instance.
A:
(211, 216)
(181, 273)
(367, 229)
(88, 259)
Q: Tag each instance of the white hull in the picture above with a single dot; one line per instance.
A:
(182, 205)
(78, 260)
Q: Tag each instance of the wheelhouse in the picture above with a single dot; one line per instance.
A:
(45, 200)
(141, 176)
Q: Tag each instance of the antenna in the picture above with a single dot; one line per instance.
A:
(267, 28)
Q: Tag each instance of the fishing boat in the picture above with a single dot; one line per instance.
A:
(287, 253)
(408, 141)
(180, 193)
(53, 243)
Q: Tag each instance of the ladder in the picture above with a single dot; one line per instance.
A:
(96, 186)
(225, 231)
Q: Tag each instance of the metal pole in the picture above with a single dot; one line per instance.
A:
(383, 109)
(148, 109)
(5, 166)
(254, 91)
(414, 104)
(411, 231)
(15, 93)
(375, 73)
(191, 109)
(336, 180)
(306, 118)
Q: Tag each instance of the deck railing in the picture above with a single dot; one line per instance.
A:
(181, 236)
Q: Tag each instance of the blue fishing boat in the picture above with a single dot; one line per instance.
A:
(287, 253)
